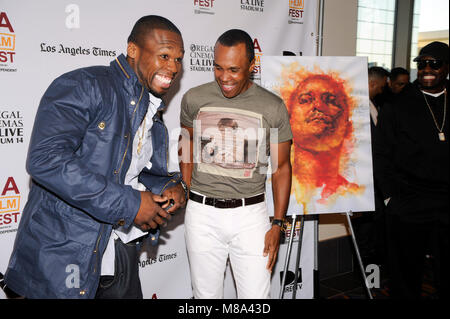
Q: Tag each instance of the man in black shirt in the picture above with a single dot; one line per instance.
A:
(411, 156)
(398, 80)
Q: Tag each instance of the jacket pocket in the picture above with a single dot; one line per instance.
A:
(63, 246)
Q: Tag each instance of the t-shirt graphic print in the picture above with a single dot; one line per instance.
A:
(227, 141)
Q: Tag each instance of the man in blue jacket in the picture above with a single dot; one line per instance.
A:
(97, 140)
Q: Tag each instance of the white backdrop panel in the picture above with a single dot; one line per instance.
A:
(51, 37)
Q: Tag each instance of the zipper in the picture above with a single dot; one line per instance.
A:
(167, 157)
(171, 181)
(121, 67)
(129, 135)
(167, 151)
(96, 248)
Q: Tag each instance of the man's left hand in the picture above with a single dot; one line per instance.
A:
(272, 245)
(175, 195)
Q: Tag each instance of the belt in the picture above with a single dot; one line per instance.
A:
(226, 203)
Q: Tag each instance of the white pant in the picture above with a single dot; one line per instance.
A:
(213, 235)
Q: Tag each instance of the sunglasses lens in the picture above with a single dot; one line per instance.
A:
(421, 65)
(434, 64)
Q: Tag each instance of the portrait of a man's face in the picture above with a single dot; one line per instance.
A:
(319, 113)
(328, 105)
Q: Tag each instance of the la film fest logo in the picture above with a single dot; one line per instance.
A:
(11, 127)
(9, 205)
(201, 58)
(7, 44)
(252, 5)
(285, 237)
(256, 74)
(204, 6)
(296, 11)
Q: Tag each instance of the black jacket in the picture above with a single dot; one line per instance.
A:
(411, 164)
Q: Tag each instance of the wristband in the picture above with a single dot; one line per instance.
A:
(278, 222)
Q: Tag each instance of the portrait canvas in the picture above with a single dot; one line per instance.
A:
(328, 103)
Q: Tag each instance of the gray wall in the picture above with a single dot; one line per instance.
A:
(340, 27)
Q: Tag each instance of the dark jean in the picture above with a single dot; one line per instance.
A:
(409, 238)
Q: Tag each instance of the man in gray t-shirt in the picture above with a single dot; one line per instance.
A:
(229, 129)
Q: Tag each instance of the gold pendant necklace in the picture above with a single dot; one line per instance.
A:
(441, 134)
(141, 138)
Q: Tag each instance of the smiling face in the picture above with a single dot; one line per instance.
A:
(319, 113)
(232, 69)
(158, 60)
(431, 80)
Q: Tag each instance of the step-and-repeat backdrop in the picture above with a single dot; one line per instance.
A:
(40, 40)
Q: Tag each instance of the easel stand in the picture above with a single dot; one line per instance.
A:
(288, 256)
(358, 256)
(299, 248)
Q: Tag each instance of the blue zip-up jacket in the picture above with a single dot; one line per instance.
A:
(79, 153)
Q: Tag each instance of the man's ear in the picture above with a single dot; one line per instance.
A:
(132, 49)
(252, 66)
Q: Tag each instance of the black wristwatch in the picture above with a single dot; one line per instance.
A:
(186, 190)
(278, 222)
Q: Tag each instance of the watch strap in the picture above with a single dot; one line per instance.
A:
(278, 222)
(186, 189)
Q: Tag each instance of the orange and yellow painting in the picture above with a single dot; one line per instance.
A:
(325, 155)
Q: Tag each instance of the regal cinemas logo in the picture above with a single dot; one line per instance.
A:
(296, 11)
(9, 206)
(201, 58)
(11, 127)
(252, 5)
(256, 74)
(7, 44)
(204, 6)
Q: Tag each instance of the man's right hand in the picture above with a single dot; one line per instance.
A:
(150, 213)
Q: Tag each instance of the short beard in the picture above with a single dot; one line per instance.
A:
(432, 87)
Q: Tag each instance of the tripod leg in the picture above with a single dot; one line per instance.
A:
(288, 255)
(316, 281)
(358, 255)
(299, 250)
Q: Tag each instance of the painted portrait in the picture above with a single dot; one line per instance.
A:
(327, 101)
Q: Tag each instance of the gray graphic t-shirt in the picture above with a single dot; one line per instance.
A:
(232, 138)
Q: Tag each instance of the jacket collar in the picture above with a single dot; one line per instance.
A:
(130, 79)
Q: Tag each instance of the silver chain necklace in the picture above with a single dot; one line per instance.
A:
(441, 133)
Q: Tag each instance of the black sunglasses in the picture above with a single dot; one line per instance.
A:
(434, 64)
